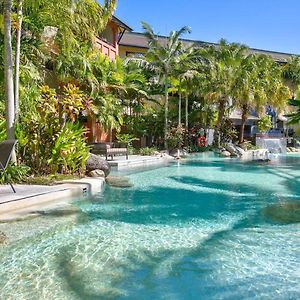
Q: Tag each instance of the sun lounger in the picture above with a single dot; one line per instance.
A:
(109, 149)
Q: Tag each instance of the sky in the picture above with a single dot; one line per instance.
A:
(263, 24)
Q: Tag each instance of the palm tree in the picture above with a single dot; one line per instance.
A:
(77, 20)
(294, 118)
(163, 58)
(221, 72)
(8, 72)
(291, 74)
(259, 82)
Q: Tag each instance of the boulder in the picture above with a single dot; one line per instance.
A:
(96, 173)
(3, 238)
(225, 153)
(231, 149)
(282, 213)
(118, 181)
(95, 162)
(240, 150)
(178, 153)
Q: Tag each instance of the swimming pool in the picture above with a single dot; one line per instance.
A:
(206, 228)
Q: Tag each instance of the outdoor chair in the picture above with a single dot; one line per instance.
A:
(109, 149)
(6, 149)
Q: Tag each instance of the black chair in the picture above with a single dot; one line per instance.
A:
(6, 149)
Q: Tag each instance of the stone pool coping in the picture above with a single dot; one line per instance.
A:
(138, 161)
(31, 198)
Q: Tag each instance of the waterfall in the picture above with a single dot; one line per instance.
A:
(274, 145)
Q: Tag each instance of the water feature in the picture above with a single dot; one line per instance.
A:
(207, 228)
(274, 145)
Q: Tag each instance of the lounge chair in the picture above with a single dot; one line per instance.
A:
(109, 149)
(6, 149)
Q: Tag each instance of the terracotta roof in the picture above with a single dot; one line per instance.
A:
(139, 40)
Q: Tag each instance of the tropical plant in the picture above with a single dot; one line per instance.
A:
(221, 73)
(259, 82)
(14, 174)
(264, 124)
(2, 130)
(126, 138)
(175, 137)
(162, 58)
(294, 118)
(291, 73)
(63, 147)
(70, 151)
(148, 151)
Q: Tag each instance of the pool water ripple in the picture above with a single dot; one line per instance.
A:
(203, 229)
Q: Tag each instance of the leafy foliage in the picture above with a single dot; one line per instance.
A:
(70, 152)
(147, 151)
(264, 124)
(294, 118)
(50, 141)
(175, 137)
(14, 174)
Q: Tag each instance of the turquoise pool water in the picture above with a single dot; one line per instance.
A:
(207, 228)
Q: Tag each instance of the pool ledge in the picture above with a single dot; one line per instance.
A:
(31, 198)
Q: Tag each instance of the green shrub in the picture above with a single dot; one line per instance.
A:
(2, 129)
(70, 152)
(51, 141)
(126, 138)
(14, 174)
(147, 151)
(175, 137)
(264, 124)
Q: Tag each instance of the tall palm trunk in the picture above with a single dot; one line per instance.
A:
(17, 59)
(166, 112)
(217, 133)
(179, 109)
(243, 122)
(186, 111)
(8, 74)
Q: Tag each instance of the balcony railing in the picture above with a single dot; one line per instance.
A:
(107, 49)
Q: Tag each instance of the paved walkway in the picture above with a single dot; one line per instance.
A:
(29, 199)
(25, 191)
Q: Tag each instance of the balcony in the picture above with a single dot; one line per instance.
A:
(107, 49)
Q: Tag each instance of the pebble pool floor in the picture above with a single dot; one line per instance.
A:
(205, 228)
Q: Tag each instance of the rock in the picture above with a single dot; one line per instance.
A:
(283, 213)
(240, 150)
(231, 149)
(178, 153)
(96, 173)
(60, 211)
(225, 153)
(95, 162)
(167, 156)
(3, 238)
(118, 181)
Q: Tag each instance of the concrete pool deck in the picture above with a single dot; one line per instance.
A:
(31, 198)
(121, 163)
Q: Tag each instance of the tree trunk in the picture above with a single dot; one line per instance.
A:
(8, 74)
(186, 111)
(17, 59)
(243, 122)
(166, 113)
(179, 109)
(217, 134)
